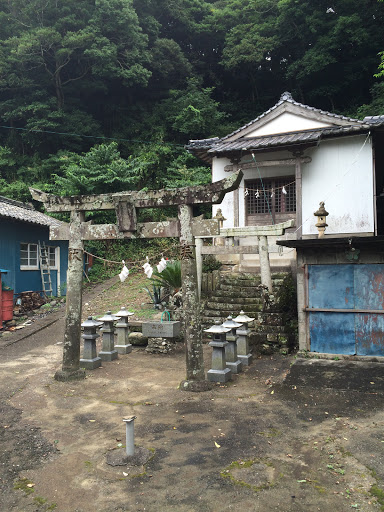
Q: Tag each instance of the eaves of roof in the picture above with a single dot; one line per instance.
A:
(22, 212)
(285, 139)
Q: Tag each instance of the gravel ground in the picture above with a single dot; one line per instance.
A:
(287, 434)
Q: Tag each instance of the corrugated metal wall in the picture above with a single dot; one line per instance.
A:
(12, 233)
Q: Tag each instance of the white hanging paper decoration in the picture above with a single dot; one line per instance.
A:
(161, 265)
(272, 193)
(284, 191)
(246, 192)
(148, 270)
(124, 273)
(257, 194)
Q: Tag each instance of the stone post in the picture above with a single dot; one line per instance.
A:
(232, 361)
(219, 371)
(71, 350)
(265, 268)
(108, 352)
(242, 339)
(199, 263)
(122, 329)
(90, 361)
(195, 378)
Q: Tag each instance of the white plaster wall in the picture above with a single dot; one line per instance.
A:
(227, 205)
(287, 122)
(341, 174)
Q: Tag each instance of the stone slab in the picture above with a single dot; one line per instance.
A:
(161, 329)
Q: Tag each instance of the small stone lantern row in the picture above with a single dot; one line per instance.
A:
(109, 351)
(230, 347)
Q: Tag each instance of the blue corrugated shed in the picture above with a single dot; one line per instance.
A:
(21, 224)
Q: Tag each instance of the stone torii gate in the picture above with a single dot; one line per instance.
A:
(125, 204)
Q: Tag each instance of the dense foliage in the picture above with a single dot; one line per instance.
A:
(100, 95)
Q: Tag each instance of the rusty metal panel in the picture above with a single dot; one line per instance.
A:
(369, 283)
(331, 286)
(355, 287)
(369, 334)
(332, 333)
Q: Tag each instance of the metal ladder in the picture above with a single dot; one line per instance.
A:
(45, 270)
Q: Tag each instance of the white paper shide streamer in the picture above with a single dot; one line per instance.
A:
(148, 270)
(124, 273)
(161, 265)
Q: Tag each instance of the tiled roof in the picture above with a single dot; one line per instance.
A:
(286, 97)
(206, 148)
(26, 213)
(373, 119)
(286, 139)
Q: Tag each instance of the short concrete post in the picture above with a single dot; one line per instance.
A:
(90, 361)
(242, 338)
(122, 329)
(108, 352)
(129, 435)
(232, 361)
(219, 372)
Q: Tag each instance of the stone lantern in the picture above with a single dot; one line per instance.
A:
(90, 361)
(219, 372)
(122, 329)
(220, 218)
(321, 223)
(232, 361)
(242, 338)
(108, 352)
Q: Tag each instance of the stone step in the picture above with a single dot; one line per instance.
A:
(238, 294)
(267, 329)
(251, 293)
(234, 299)
(266, 318)
(225, 306)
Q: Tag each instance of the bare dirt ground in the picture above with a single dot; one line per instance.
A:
(287, 434)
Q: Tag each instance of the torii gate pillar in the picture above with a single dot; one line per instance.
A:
(71, 353)
(191, 305)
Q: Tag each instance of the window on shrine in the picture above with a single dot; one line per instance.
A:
(271, 197)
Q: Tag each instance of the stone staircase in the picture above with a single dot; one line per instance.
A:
(241, 291)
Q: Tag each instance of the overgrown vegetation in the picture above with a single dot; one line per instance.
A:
(103, 96)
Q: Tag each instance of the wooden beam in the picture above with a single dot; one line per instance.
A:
(285, 162)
